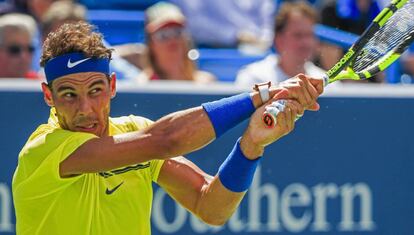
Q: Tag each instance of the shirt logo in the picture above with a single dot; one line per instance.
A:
(111, 191)
(73, 64)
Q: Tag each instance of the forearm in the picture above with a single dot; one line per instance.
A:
(217, 204)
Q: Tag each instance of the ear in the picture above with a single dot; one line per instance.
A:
(47, 95)
(112, 85)
(277, 43)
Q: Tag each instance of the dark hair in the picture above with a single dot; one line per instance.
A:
(288, 8)
(74, 37)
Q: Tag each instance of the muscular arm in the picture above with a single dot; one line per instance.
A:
(200, 193)
(173, 135)
(176, 134)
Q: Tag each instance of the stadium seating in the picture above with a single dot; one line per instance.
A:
(122, 26)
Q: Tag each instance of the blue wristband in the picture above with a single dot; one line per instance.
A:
(226, 113)
(237, 172)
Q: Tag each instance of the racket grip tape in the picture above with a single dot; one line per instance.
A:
(270, 115)
(269, 119)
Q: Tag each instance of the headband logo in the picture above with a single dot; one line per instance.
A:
(73, 64)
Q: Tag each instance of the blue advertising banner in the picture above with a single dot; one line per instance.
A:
(347, 169)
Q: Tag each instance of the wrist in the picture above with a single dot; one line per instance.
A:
(237, 171)
(250, 149)
(226, 113)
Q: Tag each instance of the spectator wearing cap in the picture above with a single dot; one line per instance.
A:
(16, 47)
(169, 47)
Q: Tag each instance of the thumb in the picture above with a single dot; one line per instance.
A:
(282, 94)
(314, 107)
(318, 84)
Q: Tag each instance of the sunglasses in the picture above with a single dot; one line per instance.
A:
(166, 34)
(15, 50)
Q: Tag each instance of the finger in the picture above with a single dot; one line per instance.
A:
(297, 92)
(281, 121)
(311, 92)
(289, 118)
(283, 94)
(297, 108)
(294, 113)
(314, 107)
(318, 84)
(311, 88)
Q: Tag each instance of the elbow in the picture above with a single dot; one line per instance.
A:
(214, 219)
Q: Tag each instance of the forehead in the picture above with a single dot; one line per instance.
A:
(299, 22)
(15, 34)
(80, 80)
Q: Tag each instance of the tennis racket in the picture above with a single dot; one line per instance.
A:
(382, 43)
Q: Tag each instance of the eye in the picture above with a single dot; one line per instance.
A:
(95, 91)
(69, 95)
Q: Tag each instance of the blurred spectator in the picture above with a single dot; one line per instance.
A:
(230, 23)
(407, 61)
(61, 12)
(169, 47)
(295, 44)
(349, 15)
(35, 8)
(16, 48)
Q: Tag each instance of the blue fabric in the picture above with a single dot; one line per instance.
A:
(74, 63)
(226, 113)
(348, 9)
(237, 172)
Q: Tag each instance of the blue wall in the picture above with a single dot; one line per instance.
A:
(347, 169)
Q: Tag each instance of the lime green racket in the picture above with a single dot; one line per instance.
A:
(382, 43)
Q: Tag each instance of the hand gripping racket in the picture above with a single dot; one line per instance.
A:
(382, 43)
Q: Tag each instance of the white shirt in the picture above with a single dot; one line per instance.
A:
(268, 69)
(218, 22)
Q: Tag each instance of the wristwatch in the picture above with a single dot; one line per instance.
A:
(263, 89)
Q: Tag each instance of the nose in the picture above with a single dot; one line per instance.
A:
(85, 106)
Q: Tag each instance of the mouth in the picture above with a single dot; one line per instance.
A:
(87, 127)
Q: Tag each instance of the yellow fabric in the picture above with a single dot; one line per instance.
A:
(114, 202)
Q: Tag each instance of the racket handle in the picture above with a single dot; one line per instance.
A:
(269, 119)
(270, 115)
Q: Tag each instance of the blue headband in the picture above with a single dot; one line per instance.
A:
(74, 63)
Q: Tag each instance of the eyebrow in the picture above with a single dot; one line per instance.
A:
(62, 88)
(99, 82)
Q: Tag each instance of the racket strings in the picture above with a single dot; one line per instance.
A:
(395, 32)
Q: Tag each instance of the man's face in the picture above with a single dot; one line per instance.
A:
(82, 101)
(16, 53)
(297, 40)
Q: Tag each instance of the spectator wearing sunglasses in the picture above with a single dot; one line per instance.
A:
(169, 47)
(16, 46)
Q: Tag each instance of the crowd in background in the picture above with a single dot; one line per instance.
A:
(281, 31)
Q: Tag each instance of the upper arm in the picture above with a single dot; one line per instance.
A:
(183, 181)
(173, 135)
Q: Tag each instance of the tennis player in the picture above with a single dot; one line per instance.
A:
(84, 172)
